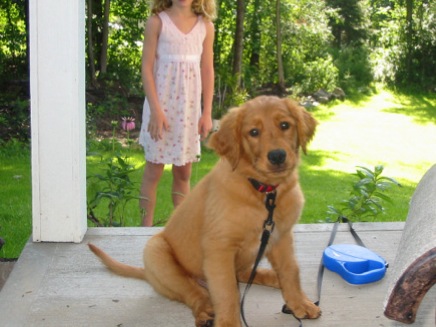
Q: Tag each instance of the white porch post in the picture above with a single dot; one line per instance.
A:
(57, 79)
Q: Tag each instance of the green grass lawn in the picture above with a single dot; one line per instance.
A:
(396, 131)
(15, 199)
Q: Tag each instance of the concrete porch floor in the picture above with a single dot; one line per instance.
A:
(63, 284)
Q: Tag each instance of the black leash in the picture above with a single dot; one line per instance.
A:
(268, 227)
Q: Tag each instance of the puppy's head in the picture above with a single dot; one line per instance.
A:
(265, 135)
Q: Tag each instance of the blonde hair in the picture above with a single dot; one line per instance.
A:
(206, 8)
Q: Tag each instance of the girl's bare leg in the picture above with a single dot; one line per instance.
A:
(152, 174)
(181, 182)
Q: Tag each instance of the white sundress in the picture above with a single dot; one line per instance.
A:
(178, 85)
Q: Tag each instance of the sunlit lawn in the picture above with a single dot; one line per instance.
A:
(398, 132)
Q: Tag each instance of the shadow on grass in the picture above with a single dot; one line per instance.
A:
(422, 108)
(326, 112)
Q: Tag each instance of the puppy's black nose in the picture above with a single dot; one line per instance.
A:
(277, 157)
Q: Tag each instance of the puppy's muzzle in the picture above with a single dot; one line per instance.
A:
(277, 156)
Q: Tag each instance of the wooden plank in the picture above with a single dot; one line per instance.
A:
(65, 285)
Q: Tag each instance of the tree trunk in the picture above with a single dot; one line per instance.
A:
(27, 22)
(409, 37)
(91, 58)
(239, 42)
(105, 36)
(280, 71)
(255, 36)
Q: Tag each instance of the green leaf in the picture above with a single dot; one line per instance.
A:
(364, 181)
(392, 180)
(366, 171)
(333, 211)
(378, 170)
(383, 196)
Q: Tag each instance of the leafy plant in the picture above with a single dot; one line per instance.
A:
(228, 95)
(14, 148)
(366, 197)
(114, 186)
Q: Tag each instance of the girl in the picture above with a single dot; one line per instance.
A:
(177, 73)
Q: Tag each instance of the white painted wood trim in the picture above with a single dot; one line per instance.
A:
(57, 80)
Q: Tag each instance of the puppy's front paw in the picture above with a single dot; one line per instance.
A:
(208, 322)
(204, 320)
(303, 310)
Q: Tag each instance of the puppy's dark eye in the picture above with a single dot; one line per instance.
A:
(284, 125)
(254, 132)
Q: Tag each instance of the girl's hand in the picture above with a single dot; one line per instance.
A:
(157, 125)
(204, 126)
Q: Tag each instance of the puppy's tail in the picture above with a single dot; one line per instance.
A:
(116, 266)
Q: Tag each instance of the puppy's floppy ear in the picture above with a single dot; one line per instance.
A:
(227, 140)
(306, 124)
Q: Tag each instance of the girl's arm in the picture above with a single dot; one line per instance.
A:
(158, 122)
(207, 80)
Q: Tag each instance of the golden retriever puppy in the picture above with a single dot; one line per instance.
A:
(214, 235)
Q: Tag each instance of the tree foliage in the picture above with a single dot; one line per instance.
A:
(13, 40)
(280, 46)
(405, 43)
(117, 62)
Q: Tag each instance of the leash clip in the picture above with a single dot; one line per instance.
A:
(269, 226)
(270, 201)
(270, 205)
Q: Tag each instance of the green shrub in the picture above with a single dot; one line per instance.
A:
(354, 67)
(366, 197)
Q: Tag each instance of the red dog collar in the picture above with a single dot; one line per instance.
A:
(261, 187)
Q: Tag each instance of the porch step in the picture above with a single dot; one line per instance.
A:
(55, 284)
